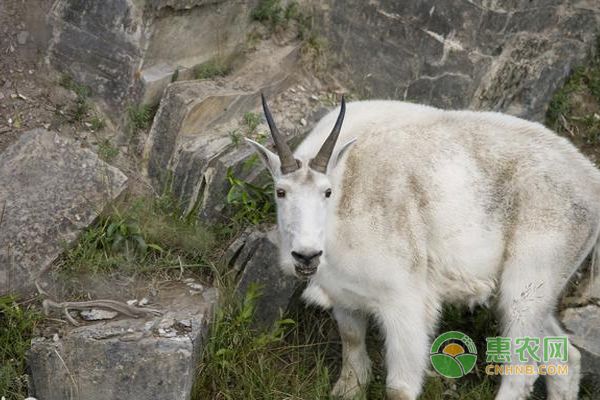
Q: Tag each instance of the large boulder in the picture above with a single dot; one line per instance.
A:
(50, 190)
(128, 50)
(506, 55)
(191, 145)
(133, 359)
(255, 257)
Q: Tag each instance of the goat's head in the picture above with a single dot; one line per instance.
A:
(302, 194)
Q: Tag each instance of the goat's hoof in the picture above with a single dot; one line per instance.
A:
(397, 394)
(343, 389)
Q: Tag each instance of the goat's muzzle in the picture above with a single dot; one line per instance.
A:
(306, 263)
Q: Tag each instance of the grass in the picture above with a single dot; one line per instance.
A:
(141, 237)
(211, 69)
(107, 151)
(275, 16)
(17, 323)
(141, 116)
(574, 110)
(251, 204)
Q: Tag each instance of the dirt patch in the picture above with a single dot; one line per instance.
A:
(30, 93)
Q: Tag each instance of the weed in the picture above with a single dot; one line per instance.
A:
(212, 69)
(17, 323)
(106, 151)
(268, 12)
(144, 235)
(241, 362)
(81, 107)
(141, 116)
(236, 137)
(252, 204)
(251, 120)
(575, 108)
(97, 124)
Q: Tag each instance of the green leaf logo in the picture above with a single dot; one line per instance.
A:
(453, 354)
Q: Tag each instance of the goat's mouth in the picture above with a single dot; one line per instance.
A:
(305, 271)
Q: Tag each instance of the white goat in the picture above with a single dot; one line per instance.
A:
(418, 206)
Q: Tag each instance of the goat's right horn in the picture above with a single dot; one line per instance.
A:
(321, 160)
(288, 162)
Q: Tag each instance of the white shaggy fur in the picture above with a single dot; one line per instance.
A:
(431, 206)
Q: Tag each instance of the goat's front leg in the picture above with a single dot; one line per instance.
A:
(406, 343)
(356, 366)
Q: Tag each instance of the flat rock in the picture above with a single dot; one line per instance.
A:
(97, 315)
(133, 359)
(50, 190)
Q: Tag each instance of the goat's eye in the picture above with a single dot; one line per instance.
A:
(280, 193)
(328, 193)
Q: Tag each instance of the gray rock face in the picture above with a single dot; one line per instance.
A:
(133, 359)
(127, 50)
(507, 55)
(99, 44)
(50, 189)
(256, 255)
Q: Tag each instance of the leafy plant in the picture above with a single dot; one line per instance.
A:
(251, 120)
(17, 324)
(141, 116)
(106, 150)
(212, 69)
(253, 204)
(268, 11)
(97, 124)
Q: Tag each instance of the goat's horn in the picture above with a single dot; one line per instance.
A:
(288, 162)
(319, 163)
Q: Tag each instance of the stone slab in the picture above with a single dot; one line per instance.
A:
(50, 190)
(133, 359)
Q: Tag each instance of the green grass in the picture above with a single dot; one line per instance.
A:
(142, 236)
(17, 323)
(212, 69)
(107, 151)
(251, 203)
(141, 116)
(574, 110)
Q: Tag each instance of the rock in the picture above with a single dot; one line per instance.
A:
(262, 269)
(97, 315)
(584, 323)
(133, 359)
(50, 190)
(505, 56)
(22, 37)
(190, 146)
(125, 48)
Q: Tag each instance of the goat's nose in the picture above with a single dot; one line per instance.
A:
(306, 257)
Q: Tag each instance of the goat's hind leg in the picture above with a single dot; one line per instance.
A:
(563, 387)
(533, 275)
(356, 365)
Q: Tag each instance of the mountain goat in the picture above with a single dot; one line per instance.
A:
(408, 206)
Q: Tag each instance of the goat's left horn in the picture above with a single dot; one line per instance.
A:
(321, 160)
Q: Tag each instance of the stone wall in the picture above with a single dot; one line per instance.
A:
(501, 55)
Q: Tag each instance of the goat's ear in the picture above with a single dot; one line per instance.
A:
(340, 153)
(270, 159)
